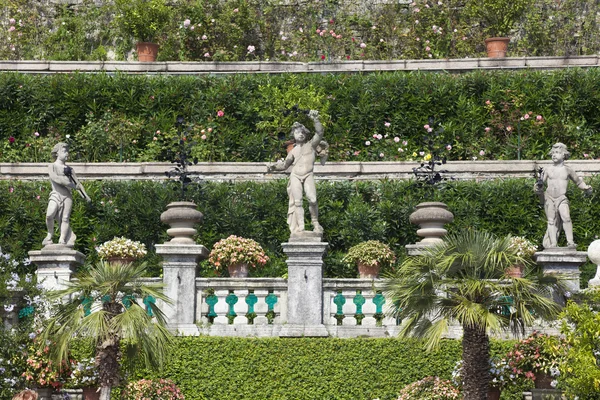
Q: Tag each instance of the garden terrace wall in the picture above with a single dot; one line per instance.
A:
(331, 171)
(272, 67)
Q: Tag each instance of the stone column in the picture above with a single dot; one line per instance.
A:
(179, 277)
(305, 289)
(564, 261)
(55, 264)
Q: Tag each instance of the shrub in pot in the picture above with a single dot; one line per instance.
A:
(369, 257)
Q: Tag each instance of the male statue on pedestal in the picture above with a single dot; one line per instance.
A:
(302, 158)
(556, 203)
(63, 179)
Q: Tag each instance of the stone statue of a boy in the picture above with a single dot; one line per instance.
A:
(556, 203)
(63, 179)
(302, 158)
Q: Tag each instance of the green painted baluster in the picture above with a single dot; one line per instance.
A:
(251, 300)
(149, 301)
(339, 300)
(87, 302)
(271, 300)
(379, 301)
(231, 299)
(211, 300)
(128, 300)
(359, 301)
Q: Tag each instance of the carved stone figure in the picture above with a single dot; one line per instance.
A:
(302, 158)
(63, 179)
(556, 203)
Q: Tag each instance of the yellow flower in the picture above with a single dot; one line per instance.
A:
(414, 154)
(427, 157)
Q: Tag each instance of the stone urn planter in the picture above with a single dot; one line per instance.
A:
(431, 218)
(121, 260)
(181, 216)
(44, 393)
(238, 270)
(497, 47)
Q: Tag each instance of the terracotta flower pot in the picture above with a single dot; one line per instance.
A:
(121, 260)
(515, 271)
(147, 52)
(238, 270)
(366, 271)
(497, 47)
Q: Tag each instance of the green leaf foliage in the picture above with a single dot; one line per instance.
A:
(350, 212)
(132, 117)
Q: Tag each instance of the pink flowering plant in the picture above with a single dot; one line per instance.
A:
(237, 250)
(538, 353)
(148, 389)
(40, 371)
(430, 388)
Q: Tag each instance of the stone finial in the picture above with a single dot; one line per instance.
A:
(594, 256)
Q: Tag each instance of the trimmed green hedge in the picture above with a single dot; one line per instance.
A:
(350, 212)
(306, 368)
(132, 117)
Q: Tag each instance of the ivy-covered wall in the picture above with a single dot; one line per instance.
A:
(350, 212)
(375, 116)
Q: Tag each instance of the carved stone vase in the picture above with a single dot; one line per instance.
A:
(181, 216)
(431, 218)
(147, 52)
(366, 271)
(238, 270)
(497, 47)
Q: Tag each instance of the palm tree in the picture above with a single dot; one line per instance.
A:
(463, 280)
(102, 307)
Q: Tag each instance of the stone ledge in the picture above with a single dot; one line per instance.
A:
(212, 67)
(247, 171)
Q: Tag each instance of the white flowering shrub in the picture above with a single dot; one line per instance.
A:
(121, 247)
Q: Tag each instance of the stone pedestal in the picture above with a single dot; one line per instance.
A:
(55, 264)
(179, 277)
(305, 289)
(594, 256)
(564, 261)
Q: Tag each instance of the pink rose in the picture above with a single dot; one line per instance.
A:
(220, 113)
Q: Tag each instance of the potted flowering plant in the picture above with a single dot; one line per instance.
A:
(41, 372)
(84, 375)
(430, 388)
(237, 253)
(524, 249)
(162, 389)
(144, 20)
(370, 256)
(497, 18)
(121, 249)
(537, 358)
